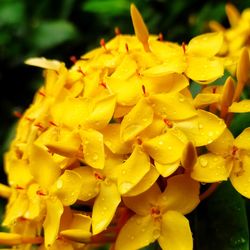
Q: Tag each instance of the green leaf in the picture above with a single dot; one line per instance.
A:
(221, 221)
(50, 34)
(107, 7)
(239, 123)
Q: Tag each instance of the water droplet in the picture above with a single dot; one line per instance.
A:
(210, 133)
(89, 194)
(95, 157)
(181, 99)
(156, 233)
(105, 208)
(144, 119)
(86, 142)
(123, 172)
(203, 162)
(132, 237)
(143, 230)
(169, 147)
(125, 186)
(200, 126)
(160, 142)
(59, 184)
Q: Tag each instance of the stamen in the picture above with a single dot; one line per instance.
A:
(183, 45)
(29, 119)
(155, 212)
(52, 123)
(19, 187)
(40, 192)
(41, 93)
(144, 90)
(40, 126)
(73, 59)
(126, 46)
(17, 114)
(81, 71)
(139, 140)
(103, 85)
(160, 37)
(103, 44)
(98, 176)
(168, 123)
(117, 31)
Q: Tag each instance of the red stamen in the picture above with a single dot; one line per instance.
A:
(29, 119)
(160, 37)
(52, 123)
(39, 192)
(155, 211)
(139, 140)
(73, 59)
(80, 71)
(98, 176)
(39, 125)
(19, 187)
(103, 44)
(183, 45)
(168, 123)
(214, 90)
(126, 46)
(144, 90)
(234, 150)
(17, 114)
(41, 93)
(117, 31)
(103, 85)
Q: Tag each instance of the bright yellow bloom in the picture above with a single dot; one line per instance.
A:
(159, 216)
(228, 158)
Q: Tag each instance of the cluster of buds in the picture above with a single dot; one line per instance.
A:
(113, 149)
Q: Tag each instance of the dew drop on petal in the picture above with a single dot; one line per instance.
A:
(59, 184)
(156, 233)
(203, 162)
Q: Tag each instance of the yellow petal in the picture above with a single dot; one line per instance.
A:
(222, 144)
(243, 140)
(52, 220)
(173, 82)
(133, 170)
(204, 70)
(76, 235)
(43, 63)
(181, 194)
(43, 168)
(10, 238)
(140, 117)
(67, 187)
(5, 191)
(203, 128)
(142, 203)
(240, 107)
(227, 96)
(68, 145)
(113, 142)
(211, 168)
(165, 148)
(93, 148)
(206, 45)
(240, 175)
(146, 182)
(90, 184)
(125, 96)
(125, 69)
(139, 231)
(105, 206)
(175, 232)
(232, 14)
(72, 112)
(140, 28)
(173, 106)
(102, 112)
(202, 100)
(166, 170)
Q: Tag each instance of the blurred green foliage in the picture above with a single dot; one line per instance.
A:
(60, 29)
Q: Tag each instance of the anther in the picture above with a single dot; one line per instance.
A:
(183, 45)
(160, 37)
(126, 46)
(103, 85)
(73, 59)
(41, 193)
(144, 90)
(117, 31)
(29, 119)
(103, 43)
(39, 125)
(52, 123)
(17, 114)
(81, 71)
(19, 187)
(168, 123)
(98, 176)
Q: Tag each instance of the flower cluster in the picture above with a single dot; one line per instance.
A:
(113, 149)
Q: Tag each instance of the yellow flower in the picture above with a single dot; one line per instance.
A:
(228, 158)
(159, 216)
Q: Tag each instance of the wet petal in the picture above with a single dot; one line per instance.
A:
(145, 183)
(222, 144)
(133, 170)
(139, 231)
(52, 220)
(126, 96)
(203, 69)
(240, 176)
(211, 168)
(202, 100)
(206, 44)
(67, 187)
(43, 168)
(203, 128)
(113, 142)
(142, 203)
(105, 206)
(175, 232)
(93, 148)
(140, 117)
(90, 184)
(166, 170)
(44, 63)
(102, 112)
(181, 194)
(165, 148)
(243, 140)
(173, 82)
(173, 106)
(240, 107)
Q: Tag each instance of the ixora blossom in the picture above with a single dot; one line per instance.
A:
(113, 149)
